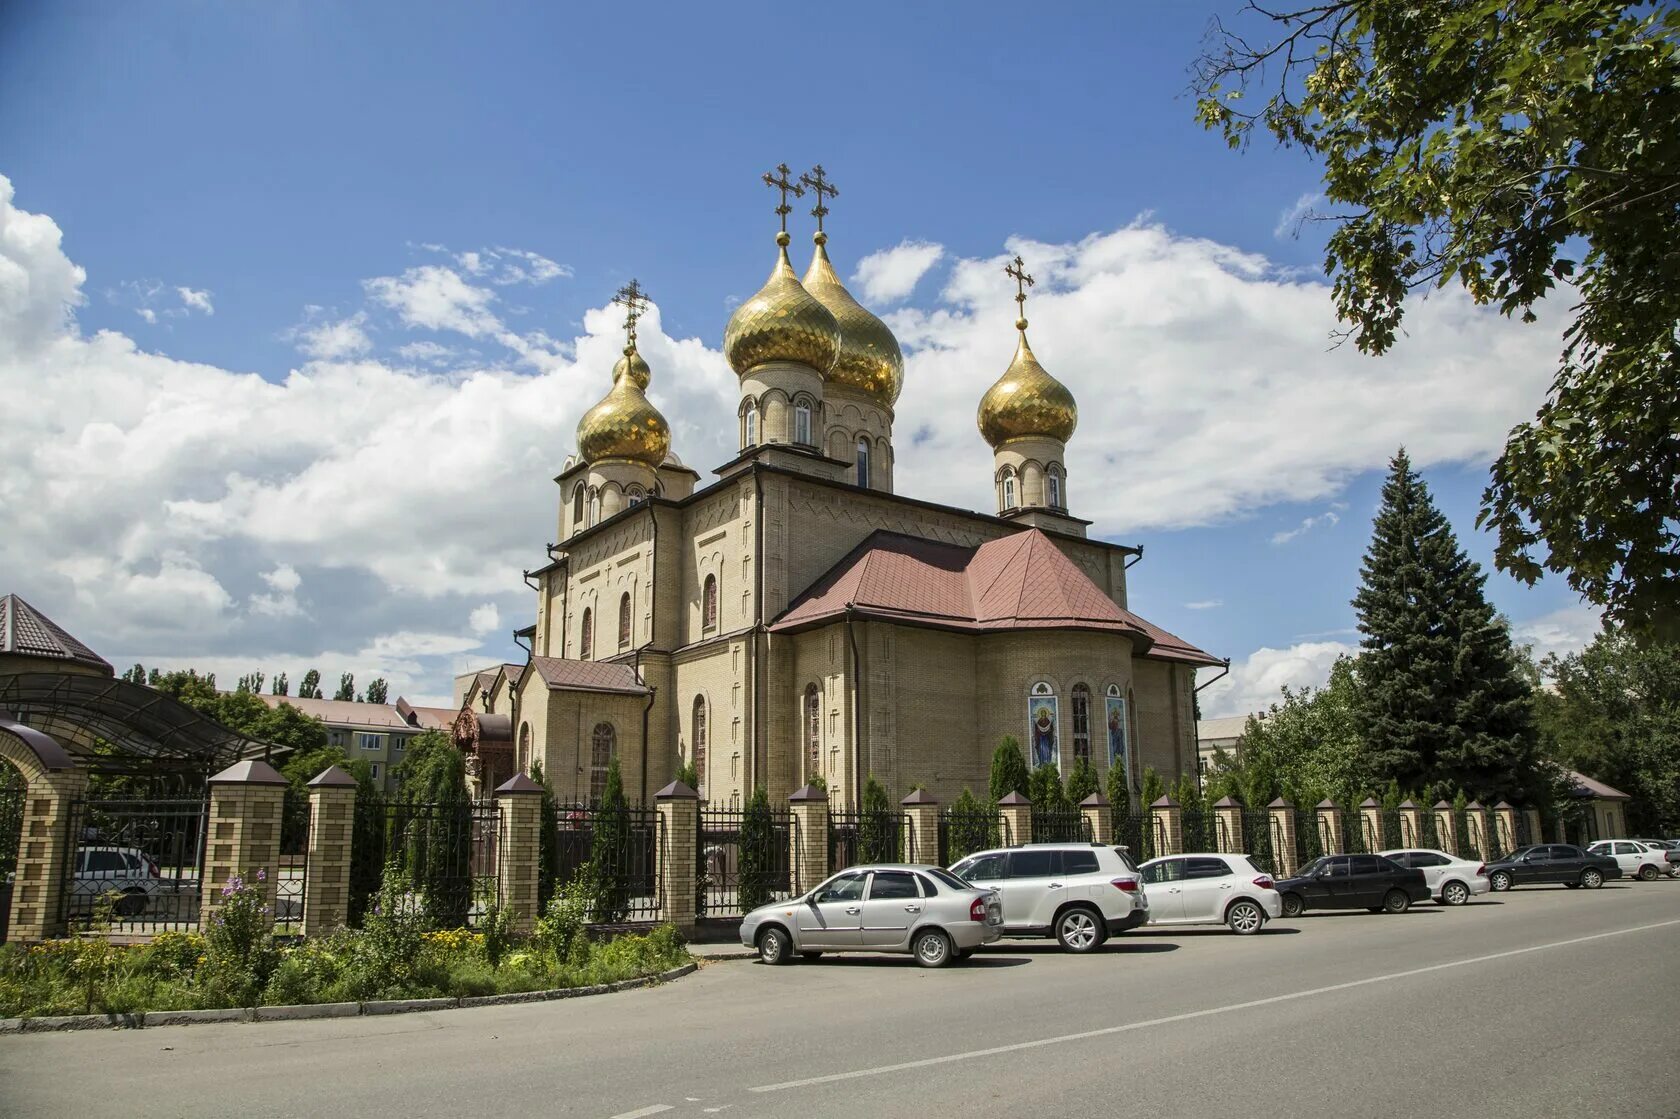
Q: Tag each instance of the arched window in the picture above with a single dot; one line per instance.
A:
(594, 505)
(1008, 488)
(862, 461)
(749, 426)
(586, 640)
(624, 621)
(603, 740)
(1043, 727)
(525, 747)
(709, 603)
(1081, 722)
(802, 423)
(636, 495)
(813, 731)
(699, 753)
(577, 507)
(1053, 486)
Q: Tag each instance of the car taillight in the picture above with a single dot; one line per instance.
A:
(977, 911)
(1126, 885)
(1264, 882)
(1482, 870)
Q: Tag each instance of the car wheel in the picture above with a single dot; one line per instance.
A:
(810, 957)
(1647, 873)
(131, 904)
(1592, 878)
(1397, 901)
(1500, 881)
(1455, 893)
(932, 948)
(1079, 930)
(774, 947)
(1293, 905)
(1245, 918)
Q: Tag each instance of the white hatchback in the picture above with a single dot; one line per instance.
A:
(1451, 880)
(1079, 893)
(1635, 858)
(1210, 889)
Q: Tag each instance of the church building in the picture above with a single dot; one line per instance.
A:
(795, 619)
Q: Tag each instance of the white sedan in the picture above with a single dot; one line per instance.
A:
(1636, 860)
(1452, 881)
(1210, 889)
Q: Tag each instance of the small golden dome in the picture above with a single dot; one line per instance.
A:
(869, 357)
(1026, 402)
(625, 425)
(781, 323)
(636, 365)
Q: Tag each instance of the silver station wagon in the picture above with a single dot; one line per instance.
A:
(892, 907)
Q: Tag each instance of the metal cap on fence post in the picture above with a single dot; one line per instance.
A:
(1445, 830)
(1015, 811)
(921, 815)
(1285, 843)
(809, 837)
(1330, 827)
(679, 827)
(1228, 814)
(1098, 820)
(1169, 824)
(246, 800)
(326, 872)
(519, 801)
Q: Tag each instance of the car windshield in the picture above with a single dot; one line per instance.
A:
(949, 879)
(1126, 859)
(1310, 869)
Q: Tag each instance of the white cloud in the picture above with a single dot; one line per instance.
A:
(1562, 632)
(148, 314)
(1257, 682)
(335, 340)
(892, 274)
(284, 581)
(484, 618)
(437, 298)
(1329, 517)
(1289, 221)
(503, 266)
(196, 300)
(1205, 604)
(426, 353)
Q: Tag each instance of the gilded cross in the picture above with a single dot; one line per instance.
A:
(814, 178)
(781, 182)
(634, 301)
(1018, 271)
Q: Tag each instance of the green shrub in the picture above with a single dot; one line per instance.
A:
(1009, 769)
(566, 917)
(240, 955)
(757, 852)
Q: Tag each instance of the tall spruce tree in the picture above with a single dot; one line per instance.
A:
(1442, 703)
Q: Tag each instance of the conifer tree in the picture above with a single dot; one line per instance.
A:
(1082, 782)
(610, 852)
(1009, 769)
(1442, 703)
(1045, 790)
(310, 688)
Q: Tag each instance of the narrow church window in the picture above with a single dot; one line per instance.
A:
(709, 603)
(636, 495)
(602, 742)
(577, 507)
(594, 505)
(700, 741)
(586, 640)
(802, 425)
(1053, 479)
(813, 728)
(1081, 722)
(1009, 489)
(624, 621)
(749, 426)
(863, 462)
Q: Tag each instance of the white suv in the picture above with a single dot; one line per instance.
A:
(1080, 893)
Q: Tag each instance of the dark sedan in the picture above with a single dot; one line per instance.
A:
(1353, 882)
(1557, 863)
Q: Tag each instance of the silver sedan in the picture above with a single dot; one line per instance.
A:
(892, 907)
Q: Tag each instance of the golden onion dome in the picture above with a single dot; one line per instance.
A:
(869, 357)
(781, 323)
(634, 364)
(625, 425)
(1026, 402)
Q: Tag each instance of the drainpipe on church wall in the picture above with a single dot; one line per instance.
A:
(758, 630)
(1194, 692)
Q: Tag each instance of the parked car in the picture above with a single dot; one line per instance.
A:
(1452, 881)
(1670, 852)
(1635, 858)
(126, 871)
(1210, 889)
(1079, 893)
(1560, 863)
(1353, 882)
(892, 907)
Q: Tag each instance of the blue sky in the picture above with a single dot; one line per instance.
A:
(278, 160)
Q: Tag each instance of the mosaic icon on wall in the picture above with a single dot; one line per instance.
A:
(1041, 730)
(1117, 733)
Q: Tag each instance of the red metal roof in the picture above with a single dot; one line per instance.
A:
(1022, 581)
(588, 676)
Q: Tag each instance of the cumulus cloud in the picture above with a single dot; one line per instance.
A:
(332, 340)
(484, 618)
(504, 266)
(1257, 681)
(1560, 632)
(892, 274)
(196, 300)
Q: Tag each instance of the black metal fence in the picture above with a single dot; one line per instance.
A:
(858, 837)
(1356, 837)
(11, 820)
(135, 862)
(964, 831)
(1198, 832)
(1060, 824)
(292, 873)
(744, 860)
(1257, 839)
(445, 853)
(1139, 833)
(616, 850)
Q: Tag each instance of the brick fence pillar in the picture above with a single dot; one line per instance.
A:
(326, 876)
(1016, 813)
(1476, 824)
(1532, 815)
(1228, 826)
(809, 841)
(1370, 824)
(921, 812)
(519, 800)
(1411, 824)
(1284, 840)
(1098, 819)
(1168, 820)
(678, 866)
(52, 784)
(244, 833)
(1330, 827)
(1504, 833)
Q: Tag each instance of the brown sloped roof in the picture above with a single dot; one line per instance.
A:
(1585, 786)
(561, 674)
(342, 712)
(26, 631)
(430, 718)
(1022, 581)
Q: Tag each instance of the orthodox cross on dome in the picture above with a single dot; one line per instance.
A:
(1023, 281)
(635, 303)
(780, 181)
(819, 184)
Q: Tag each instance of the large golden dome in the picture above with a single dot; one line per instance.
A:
(624, 425)
(781, 323)
(869, 357)
(1026, 402)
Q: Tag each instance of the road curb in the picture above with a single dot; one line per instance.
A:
(306, 1011)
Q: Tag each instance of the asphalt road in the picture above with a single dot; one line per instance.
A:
(1540, 1002)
